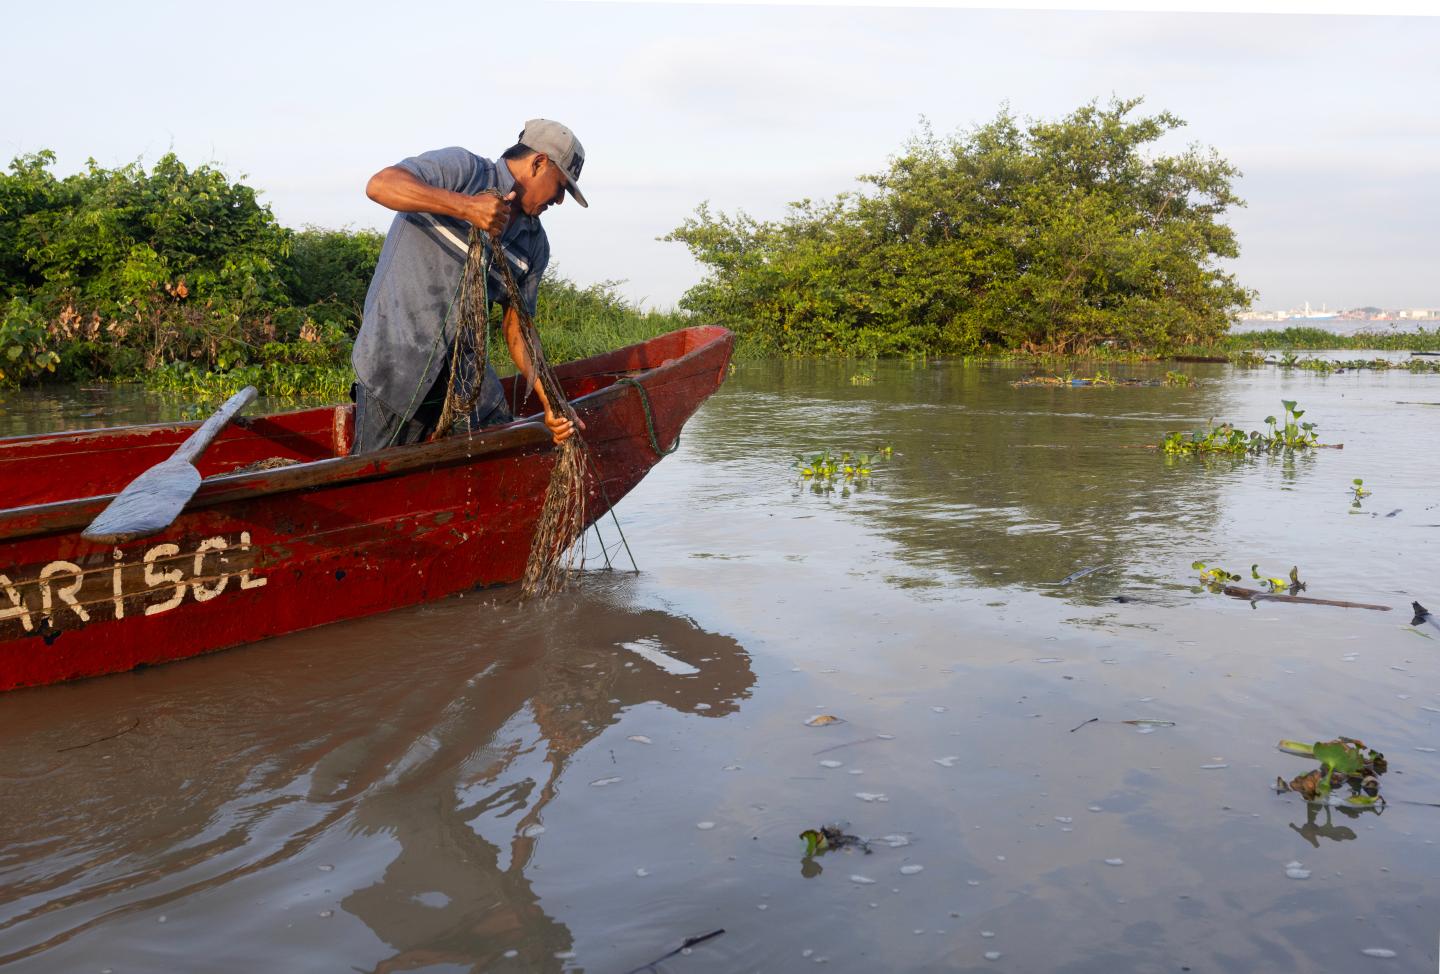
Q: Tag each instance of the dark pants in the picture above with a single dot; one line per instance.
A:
(376, 427)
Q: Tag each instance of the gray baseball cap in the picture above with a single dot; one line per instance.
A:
(561, 146)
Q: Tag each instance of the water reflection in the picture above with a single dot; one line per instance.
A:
(990, 484)
(411, 769)
(1312, 831)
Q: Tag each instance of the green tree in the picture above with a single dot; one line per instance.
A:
(1051, 236)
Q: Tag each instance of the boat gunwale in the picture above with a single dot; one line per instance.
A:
(56, 517)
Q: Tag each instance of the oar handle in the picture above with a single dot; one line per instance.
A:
(197, 442)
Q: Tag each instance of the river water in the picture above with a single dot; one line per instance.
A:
(481, 785)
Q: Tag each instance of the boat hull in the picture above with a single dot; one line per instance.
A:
(262, 553)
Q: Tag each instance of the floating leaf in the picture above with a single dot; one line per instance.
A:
(821, 720)
(1339, 756)
(815, 841)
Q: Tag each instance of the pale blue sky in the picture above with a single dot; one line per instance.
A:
(1332, 119)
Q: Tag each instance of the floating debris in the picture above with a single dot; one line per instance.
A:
(1077, 575)
(531, 831)
(1423, 616)
(828, 837)
(1296, 870)
(603, 782)
(1147, 722)
(895, 841)
(639, 739)
(1383, 952)
(823, 720)
(684, 948)
(862, 880)
(1213, 767)
(704, 826)
(992, 955)
(911, 869)
(1343, 761)
(871, 796)
(832, 763)
(1114, 862)
(949, 761)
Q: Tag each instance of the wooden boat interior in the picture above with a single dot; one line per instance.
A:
(51, 467)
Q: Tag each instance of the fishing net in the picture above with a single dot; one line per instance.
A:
(562, 515)
(470, 352)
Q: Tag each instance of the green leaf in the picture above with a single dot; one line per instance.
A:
(1338, 756)
(815, 841)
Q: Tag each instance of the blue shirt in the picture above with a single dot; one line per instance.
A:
(410, 309)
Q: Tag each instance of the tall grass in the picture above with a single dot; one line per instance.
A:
(577, 322)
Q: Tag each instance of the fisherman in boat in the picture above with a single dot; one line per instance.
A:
(402, 355)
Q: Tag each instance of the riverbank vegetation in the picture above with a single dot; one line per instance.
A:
(1044, 238)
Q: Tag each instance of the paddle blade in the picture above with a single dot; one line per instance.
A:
(150, 503)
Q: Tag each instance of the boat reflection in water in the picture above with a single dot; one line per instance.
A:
(393, 770)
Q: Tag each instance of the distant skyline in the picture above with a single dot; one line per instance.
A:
(1330, 118)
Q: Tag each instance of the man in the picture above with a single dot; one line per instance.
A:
(403, 352)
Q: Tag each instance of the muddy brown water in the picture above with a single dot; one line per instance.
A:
(479, 785)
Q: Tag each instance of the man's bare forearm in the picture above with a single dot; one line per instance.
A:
(521, 355)
(399, 189)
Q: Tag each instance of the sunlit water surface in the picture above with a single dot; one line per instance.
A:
(581, 784)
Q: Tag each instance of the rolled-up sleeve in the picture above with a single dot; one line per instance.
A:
(455, 169)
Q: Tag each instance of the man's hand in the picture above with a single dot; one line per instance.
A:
(489, 213)
(560, 427)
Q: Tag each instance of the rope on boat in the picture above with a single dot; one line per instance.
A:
(649, 418)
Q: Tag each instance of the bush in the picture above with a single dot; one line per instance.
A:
(1053, 237)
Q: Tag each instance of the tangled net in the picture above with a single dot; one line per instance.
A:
(470, 353)
(562, 515)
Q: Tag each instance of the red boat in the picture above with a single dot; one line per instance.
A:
(329, 536)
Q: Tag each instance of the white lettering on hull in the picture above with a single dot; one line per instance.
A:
(65, 593)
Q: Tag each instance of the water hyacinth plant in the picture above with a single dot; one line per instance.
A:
(1280, 436)
(829, 469)
(1216, 578)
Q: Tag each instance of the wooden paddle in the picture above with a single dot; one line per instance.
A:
(153, 500)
